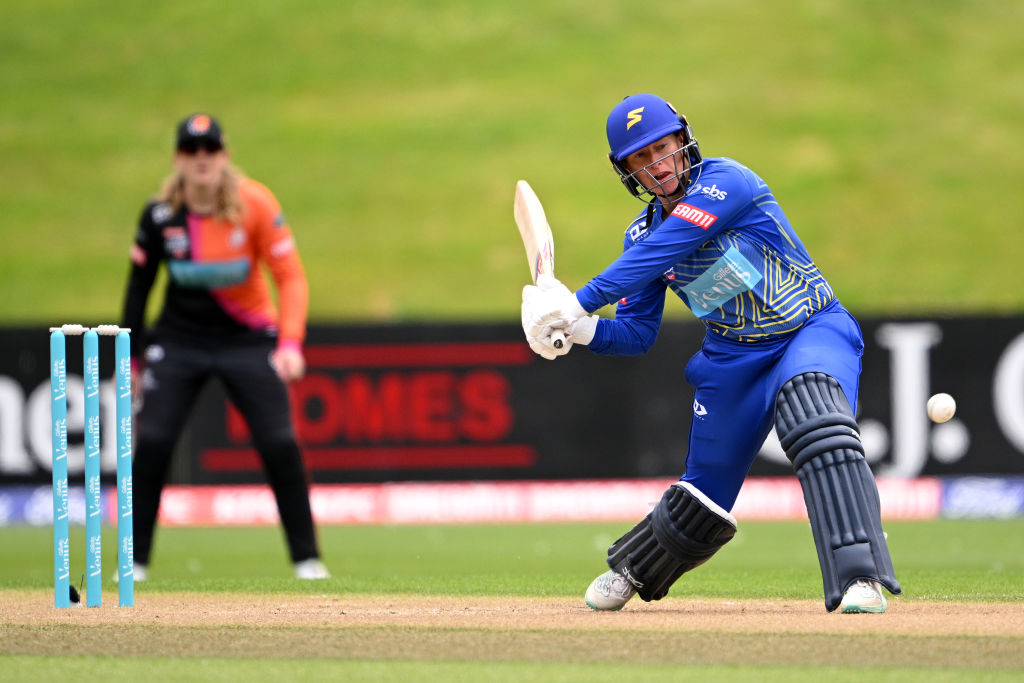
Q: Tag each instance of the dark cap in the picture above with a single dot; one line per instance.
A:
(199, 127)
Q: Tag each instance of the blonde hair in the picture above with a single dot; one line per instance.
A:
(229, 200)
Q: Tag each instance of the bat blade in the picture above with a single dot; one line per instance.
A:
(535, 231)
(537, 239)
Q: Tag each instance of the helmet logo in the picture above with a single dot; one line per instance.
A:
(199, 124)
(634, 117)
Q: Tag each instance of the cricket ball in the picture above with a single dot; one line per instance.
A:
(941, 407)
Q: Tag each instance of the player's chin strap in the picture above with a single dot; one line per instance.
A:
(655, 202)
(817, 429)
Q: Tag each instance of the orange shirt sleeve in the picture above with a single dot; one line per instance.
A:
(275, 246)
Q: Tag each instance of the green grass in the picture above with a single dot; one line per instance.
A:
(393, 134)
(30, 668)
(935, 561)
(947, 560)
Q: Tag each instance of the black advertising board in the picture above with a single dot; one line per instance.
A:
(470, 401)
(439, 402)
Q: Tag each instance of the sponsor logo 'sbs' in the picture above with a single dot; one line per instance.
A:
(713, 192)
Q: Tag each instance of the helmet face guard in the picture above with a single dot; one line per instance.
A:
(638, 121)
(683, 172)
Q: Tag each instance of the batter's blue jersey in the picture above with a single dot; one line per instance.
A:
(727, 250)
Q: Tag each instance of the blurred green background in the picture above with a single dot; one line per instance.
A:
(393, 133)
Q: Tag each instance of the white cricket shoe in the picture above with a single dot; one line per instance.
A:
(311, 569)
(863, 597)
(138, 573)
(610, 591)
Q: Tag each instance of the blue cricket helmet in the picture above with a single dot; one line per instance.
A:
(636, 122)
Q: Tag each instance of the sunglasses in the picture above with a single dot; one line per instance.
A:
(193, 146)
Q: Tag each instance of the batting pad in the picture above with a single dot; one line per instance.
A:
(682, 532)
(817, 429)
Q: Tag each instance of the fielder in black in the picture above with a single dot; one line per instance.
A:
(216, 230)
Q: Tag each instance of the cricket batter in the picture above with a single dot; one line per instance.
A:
(779, 350)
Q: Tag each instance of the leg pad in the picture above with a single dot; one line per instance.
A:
(817, 429)
(682, 532)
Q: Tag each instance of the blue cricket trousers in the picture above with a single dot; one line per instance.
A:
(735, 387)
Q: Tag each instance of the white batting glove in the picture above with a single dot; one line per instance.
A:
(552, 303)
(538, 335)
(545, 347)
(548, 307)
(582, 331)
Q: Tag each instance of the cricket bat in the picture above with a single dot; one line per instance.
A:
(537, 239)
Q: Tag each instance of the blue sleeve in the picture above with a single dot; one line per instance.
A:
(636, 324)
(694, 221)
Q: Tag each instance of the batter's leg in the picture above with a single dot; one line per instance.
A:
(818, 431)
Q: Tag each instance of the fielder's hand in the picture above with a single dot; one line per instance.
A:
(549, 306)
(288, 363)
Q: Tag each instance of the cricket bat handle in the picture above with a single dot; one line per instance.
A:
(557, 339)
